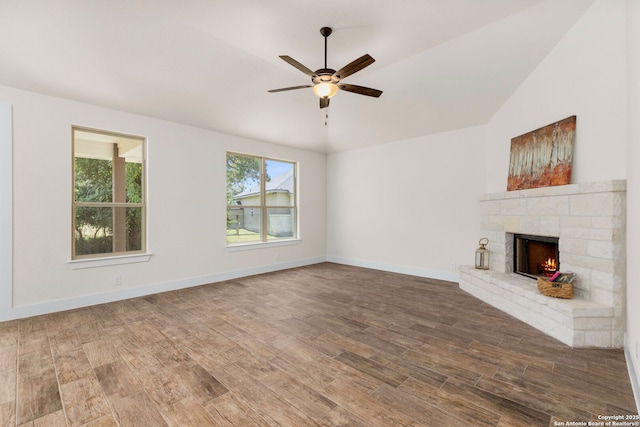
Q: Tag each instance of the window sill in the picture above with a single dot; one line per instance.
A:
(262, 245)
(77, 264)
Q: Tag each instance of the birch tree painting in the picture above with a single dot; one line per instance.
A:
(543, 157)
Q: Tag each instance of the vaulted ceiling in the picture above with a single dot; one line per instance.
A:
(442, 64)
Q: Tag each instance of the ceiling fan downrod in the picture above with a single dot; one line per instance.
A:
(326, 32)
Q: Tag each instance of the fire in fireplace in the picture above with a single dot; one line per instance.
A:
(535, 256)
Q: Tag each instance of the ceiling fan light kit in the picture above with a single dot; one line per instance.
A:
(326, 81)
(325, 90)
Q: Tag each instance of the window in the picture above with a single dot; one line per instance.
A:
(108, 194)
(261, 199)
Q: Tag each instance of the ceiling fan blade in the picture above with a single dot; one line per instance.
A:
(324, 102)
(354, 66)
(289, 88)
(360, 90)
(298, 65)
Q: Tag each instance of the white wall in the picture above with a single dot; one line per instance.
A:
(393, 206)
(633, 193)
(584, 75)
(592, 73)
(6, 210)
(408, 206)
(186, 207)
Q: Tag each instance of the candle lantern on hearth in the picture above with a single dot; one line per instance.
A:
(482, 255)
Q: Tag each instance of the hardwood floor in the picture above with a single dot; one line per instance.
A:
(324, 345)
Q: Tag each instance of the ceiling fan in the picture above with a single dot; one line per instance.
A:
(326, 81)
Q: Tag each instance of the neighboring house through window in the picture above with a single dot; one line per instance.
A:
(108, 194)
(255, 186)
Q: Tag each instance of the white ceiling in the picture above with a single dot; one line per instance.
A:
(442, 64)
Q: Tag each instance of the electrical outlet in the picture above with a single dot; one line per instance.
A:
(117, 280)
(454, 266)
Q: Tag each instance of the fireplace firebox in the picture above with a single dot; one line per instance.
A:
(535, 256)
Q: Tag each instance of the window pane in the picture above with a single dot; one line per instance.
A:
(280, 188)
(243, 225)
(281, 223)
(93, 180)
(93, 230)
(257, 187)
(134, 229)
(134, 182)
(243, 180)
(108, 178)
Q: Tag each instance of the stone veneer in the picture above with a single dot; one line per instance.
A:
(589, 220)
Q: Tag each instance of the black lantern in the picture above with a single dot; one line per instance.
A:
(482, 255)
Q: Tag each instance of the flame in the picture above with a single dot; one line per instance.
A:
(550, 264)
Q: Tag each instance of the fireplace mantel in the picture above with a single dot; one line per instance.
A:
(589, 220)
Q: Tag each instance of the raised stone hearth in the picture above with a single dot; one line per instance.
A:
(589, 220)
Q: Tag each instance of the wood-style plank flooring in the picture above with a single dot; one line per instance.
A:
(324, 345)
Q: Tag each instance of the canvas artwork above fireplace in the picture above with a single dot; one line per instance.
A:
(543, 157)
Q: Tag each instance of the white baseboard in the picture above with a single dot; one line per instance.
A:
(632, 372)
(121, 294)
(412, 271)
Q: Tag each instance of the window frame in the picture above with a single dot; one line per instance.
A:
(264, 206)
(116, 256)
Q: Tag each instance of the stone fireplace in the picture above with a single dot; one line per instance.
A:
(588, 221)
